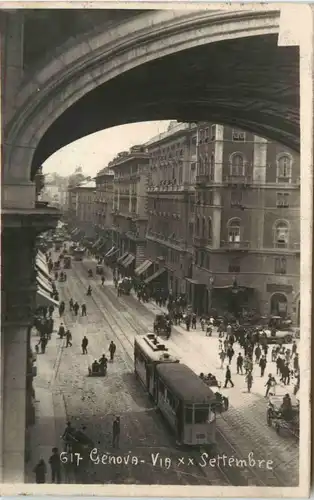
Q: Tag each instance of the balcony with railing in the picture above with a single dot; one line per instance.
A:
(238, 180)
(241, 246)
(205, 178)
(201, 241)
(170, 241)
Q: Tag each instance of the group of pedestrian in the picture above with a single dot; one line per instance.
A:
(244, 363)
(75, 307)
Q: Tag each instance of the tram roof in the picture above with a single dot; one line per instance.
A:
(156, 355)
(185, 383)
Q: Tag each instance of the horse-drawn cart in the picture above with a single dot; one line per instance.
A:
(282, 418)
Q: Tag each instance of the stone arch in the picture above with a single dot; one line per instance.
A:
(87, 65)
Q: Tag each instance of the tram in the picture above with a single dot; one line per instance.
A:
(187, 404)
(180, 395)
(148, 352)
(78, 253)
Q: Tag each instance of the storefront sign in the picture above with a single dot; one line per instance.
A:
(273, 287)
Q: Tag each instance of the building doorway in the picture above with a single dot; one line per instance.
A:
(278, 305)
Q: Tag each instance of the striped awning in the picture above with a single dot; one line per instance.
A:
(43, 283)
(128, 261)
(111, 251)
(42, 268)
(97, 242)
(143, 267)
(124, 256)
(43, 299)
(155, 275)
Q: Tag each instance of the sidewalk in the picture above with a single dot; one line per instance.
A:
(50, 416)
(201, 354)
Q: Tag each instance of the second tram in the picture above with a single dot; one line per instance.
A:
(181, 396)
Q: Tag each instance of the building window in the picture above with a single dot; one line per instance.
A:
(234, 231)
(201, 262)
(282, 199)
(203, 227)
(207, 261)
(197, 226)
(236, 197)
(281, 234)
(206, 134)
(236, 165)
(280, 265)
(284, 168)
(210, 229)
(191, 228)
(238, 135)
(180, 175)
(234, 266)
(213, 133)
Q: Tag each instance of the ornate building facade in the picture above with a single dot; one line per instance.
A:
(129, 210)
(246, 224)
(103, 207)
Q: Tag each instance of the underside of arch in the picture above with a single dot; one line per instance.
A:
(250, 83)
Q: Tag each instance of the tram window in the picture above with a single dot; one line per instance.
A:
(189, 415)
(201, 415)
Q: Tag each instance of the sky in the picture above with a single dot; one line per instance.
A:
(95, 151)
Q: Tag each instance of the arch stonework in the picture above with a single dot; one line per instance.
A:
(52, 89)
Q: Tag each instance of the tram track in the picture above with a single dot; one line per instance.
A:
(247, 476)
(238, 478)
(109, 317)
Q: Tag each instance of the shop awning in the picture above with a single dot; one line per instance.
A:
(128, 261)
(96, 243)
(102, 246)
(114, 253)
(194, 282)
(43, 283)
(124, 256)
(43, 299)
(112, 249)
(155, 275)
(42, 268)
(40, 255)
(143, 267)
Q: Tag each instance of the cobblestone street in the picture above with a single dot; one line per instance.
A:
(94, 402)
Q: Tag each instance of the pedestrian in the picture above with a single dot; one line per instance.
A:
(229, 330)
(262, 365)
(61, 309)
(222, 356)
(116, 432)
(279, 365)
(76, 308)
(294, 348)
(84, 344)
(68, 337)
(273, 354)
(230, 353)
(40, 471)
(55, 466)
(112, 350)
(61, 331)
(249, 381)
(296, 366)
(43, 344)
(270, 384)
(257, 353)
(71, 304)
(188, 322)
(228, 377)
(83, 306)
(193, 321)
(203, 324)
(265, 349)
(240, 364)
(285, 374)
(51, 310)
(102, 280)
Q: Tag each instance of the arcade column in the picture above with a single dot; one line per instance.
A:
(18, 302)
